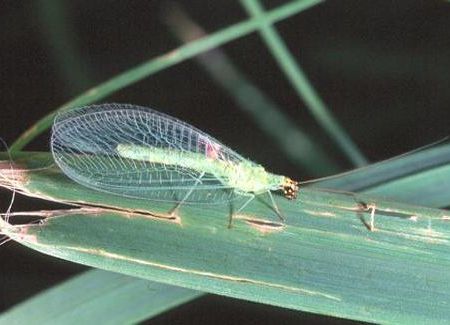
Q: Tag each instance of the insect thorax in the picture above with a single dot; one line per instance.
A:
(246, 177)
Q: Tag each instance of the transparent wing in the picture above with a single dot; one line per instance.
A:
(84, 144)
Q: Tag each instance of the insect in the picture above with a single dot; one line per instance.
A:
(138, 152)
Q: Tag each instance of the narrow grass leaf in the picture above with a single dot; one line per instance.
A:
(303, 87)
(112, 297)
(162, 62)
(263, 111)
(57, 30)
(420, 177)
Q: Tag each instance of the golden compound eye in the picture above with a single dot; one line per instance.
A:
(290, 188)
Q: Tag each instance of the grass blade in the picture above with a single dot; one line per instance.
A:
(416, 165)
(322, 260)
(94, 295)
(419, 177)
(160, 63)
(58, 31)
(304, 89)
(263, 111)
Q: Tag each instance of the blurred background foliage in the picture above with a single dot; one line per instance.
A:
(381, 67)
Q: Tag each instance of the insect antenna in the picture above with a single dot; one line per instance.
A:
(425, 147)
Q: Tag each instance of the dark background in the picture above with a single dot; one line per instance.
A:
(382, 67)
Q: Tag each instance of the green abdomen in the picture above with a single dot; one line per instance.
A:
(244, 176)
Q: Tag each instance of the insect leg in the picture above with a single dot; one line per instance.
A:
(252, 196)
(368, 207)
(198, 180)
(275, 206)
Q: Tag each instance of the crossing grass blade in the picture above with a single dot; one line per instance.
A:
(303, 87)
(420, 177)
(162, 62)
(264, 112)
(93, 295)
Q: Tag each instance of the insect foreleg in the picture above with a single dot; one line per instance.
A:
(275, 206)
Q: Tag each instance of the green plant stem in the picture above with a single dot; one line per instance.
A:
(58, 32)
(301, 84)
(163, 62)
(298, 146)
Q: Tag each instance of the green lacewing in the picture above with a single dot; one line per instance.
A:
(138, 152)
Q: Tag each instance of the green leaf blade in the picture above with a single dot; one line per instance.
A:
(112, 297)
(323, 259)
